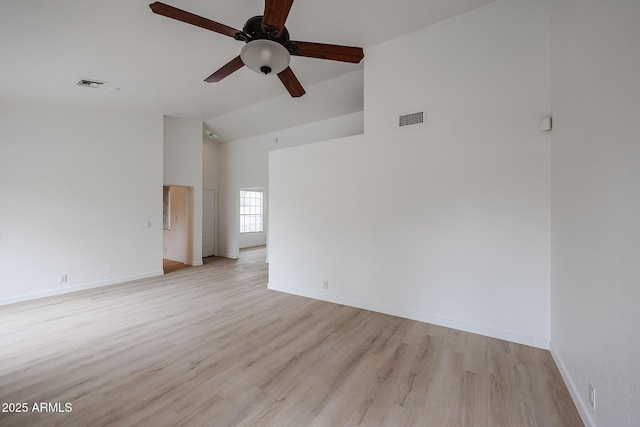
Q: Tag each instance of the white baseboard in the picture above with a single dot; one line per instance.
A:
(581, 405)
(226, 255)
(421, 317)
(75, 288)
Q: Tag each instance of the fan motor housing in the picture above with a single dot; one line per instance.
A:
(254, 29)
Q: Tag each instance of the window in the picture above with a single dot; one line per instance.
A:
(250, 211)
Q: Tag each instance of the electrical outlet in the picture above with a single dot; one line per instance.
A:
(325, 284)
(62, 278)
(592, 396)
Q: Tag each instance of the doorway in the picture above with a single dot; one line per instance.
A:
(252, 218)
(177, 234)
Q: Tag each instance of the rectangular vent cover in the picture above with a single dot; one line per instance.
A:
(412, 119)
(90, 83)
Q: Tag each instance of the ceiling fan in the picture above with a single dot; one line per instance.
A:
(267, 46)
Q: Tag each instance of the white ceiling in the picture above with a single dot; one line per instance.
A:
(158, 63)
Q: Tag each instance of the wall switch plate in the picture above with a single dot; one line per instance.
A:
(149, 223)
(592, 396)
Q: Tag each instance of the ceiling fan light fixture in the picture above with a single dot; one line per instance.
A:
(265, 56)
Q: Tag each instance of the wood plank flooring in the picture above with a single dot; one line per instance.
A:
(169, 266)
(211, 346)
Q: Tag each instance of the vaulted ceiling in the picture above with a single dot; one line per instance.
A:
(152, 62)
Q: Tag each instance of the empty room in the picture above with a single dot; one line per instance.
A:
(336, 213)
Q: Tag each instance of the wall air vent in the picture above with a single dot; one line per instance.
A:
(411, 119)
(90, 83)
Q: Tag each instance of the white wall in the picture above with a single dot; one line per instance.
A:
(248, 240)
(446, 222)
(595, 302)
(183, 153)
(244, 164)
(210, 166)
(335, 97)
(210, 169)
(78, 187)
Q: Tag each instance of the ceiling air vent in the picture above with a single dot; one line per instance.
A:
(412, 119)
(90, 83)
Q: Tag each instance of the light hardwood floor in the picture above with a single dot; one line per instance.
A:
(211, 346)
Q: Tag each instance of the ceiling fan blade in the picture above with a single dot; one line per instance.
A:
(230, 67)
(188, 17)
(326, 51)
(290, 81)
(275, 15)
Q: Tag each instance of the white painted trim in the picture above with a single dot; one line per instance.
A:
(581, 405)
(75, 288)
(421, 317)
